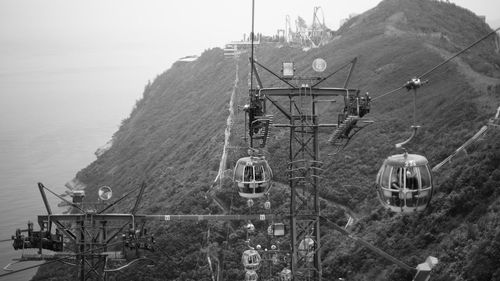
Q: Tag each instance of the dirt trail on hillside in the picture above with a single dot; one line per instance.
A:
(229, 125)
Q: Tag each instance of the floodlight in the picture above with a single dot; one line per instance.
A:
(78, 196)
(279, 229)
(105, 193)
(288, 69)
(319, 65)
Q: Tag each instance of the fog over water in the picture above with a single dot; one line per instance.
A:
(70, 71)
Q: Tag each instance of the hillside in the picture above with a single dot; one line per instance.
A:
(173, 140)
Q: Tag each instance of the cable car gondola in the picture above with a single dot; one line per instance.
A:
(252, 176)
(306, 249)
(404, 183)
(251, 275)
(251, 260)
(286, 274)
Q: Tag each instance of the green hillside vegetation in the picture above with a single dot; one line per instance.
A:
(173, 141)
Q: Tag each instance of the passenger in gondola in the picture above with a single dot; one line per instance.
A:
(247, 178)
(412, 182)
(396, 185)
(411, 179)
(259, 178)
(248, 174)
(258, 174)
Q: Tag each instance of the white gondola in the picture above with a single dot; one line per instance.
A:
(251, 260)
(404, 183)
(286, 275)
(252, 176)
(306, 249)
(251, 275)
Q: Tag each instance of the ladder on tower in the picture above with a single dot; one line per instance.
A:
(264, 123)
(343, 130)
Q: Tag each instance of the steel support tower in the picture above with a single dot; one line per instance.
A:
(304, 169)
(304, 166)
(89, 235)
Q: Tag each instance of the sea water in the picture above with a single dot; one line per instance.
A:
(52, 119)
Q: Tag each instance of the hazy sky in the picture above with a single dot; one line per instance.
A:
(154, 33)
(92, 58)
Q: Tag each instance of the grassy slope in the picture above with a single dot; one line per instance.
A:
(173, 140)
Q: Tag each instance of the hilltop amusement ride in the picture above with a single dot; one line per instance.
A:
(83, 238)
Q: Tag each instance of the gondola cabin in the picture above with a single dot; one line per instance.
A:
(286, 275)
(252, 176)
(404, 183)
(251, 275)
(251, 260)
(306, 249)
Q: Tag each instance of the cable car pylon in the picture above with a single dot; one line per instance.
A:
(301, 94)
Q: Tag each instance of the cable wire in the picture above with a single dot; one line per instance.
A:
(440, 64)
(388, 93)
(457, 54)
(57, 260)
(373, 248)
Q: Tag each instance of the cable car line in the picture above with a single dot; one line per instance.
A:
(388, 93)
(57, 260)
(458, 53)
(349, 63)
(116, 201)
(472, 140)
(68, 263)
(476, 137)
(60, 197)
(371, 247)
(129, 264)
(408, 84)
(274, 74)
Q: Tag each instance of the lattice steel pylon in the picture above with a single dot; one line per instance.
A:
(303, 179)
(304, 166)
(89, 234)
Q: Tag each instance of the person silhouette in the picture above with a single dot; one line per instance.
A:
(396, 185)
